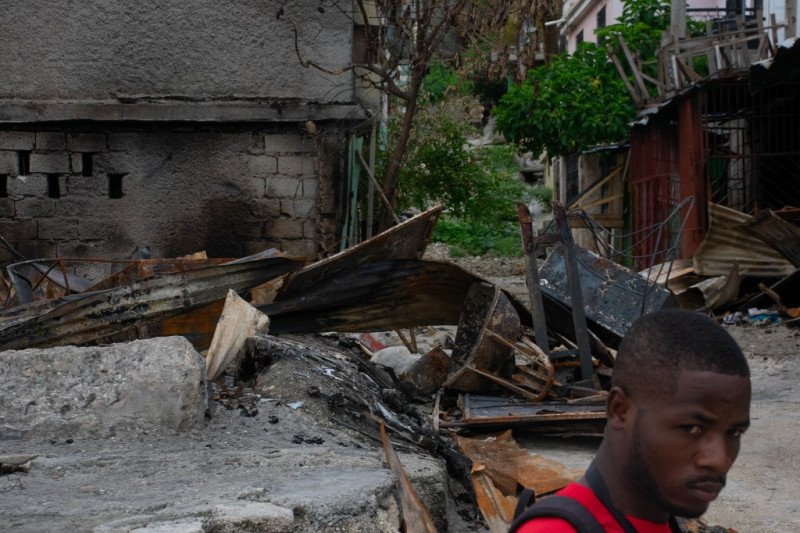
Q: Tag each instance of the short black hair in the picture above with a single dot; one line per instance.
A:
(663, 343)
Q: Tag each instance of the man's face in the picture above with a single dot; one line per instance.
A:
(683, 444)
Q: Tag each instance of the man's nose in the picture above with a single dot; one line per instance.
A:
(715, 454)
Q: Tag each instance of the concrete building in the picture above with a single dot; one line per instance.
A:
(183, 126)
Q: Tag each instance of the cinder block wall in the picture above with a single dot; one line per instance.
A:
(78, 193)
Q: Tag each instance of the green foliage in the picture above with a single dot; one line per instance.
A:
(479, 187)
(470, 237)
(441, 81)
(641, 25)
(543, 195)
(567, 105)
(438, 167)
(578, 101)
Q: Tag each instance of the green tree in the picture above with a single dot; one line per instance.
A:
(578, 101)
(567, 105)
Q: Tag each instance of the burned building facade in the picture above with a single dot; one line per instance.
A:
(180, 126)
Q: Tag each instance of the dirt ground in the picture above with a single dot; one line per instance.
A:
(271, 464)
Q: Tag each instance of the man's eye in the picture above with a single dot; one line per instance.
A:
(736, 433)
(692, 429)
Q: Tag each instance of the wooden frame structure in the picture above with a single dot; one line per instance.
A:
(681, 62)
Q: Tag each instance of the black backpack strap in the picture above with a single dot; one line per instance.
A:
(561, 507)
(526, 498)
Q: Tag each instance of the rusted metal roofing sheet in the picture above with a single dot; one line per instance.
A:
(416, 517)
(407, 240)
(79, 319)
(500, 466)
(728, 242)
(497, 411)
(379, 296)
(771, 228)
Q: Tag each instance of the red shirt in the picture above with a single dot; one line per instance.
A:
(587, 498)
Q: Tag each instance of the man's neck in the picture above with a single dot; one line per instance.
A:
(624, 493)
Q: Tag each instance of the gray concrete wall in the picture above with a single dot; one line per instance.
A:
(230, 192)
(122, 50)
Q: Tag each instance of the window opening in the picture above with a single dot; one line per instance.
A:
(23, 163)
(115, 186)
(87, 165)
(53, 186)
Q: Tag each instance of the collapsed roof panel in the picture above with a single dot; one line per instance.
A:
(79, 319)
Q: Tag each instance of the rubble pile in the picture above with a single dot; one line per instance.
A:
(371, 349)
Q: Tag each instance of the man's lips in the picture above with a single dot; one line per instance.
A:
(707, 490)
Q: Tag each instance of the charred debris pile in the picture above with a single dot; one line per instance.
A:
(470, 361)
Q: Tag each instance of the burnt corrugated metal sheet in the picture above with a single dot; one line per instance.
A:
(79, 319)
(379, 296)
(728, 242)
(407, 240)
(771, 228)
(486, 310)
(613, 296)
(546, 417)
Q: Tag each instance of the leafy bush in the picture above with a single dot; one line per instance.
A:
(479, 187)
(470, 237)
(440, 81)
(578, 101)
(567, 105)
(543, 195)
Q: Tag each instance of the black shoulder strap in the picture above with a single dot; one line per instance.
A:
(600, 489)
(526, 498)
(562, 507)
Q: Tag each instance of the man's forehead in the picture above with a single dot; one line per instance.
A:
(705, 388)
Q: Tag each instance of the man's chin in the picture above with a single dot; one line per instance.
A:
(689, 510)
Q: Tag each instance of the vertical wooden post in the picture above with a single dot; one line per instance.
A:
(691, 162)
(532, 278)
(678, 19)
(575, 294)
(791, 20)
(371, 183)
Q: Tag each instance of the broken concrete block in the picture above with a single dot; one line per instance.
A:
(428, 476)
(176, 526)
(398, 358)
(102, 391)
(250, 516)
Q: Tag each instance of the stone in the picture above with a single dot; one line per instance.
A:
(294, 165)
(174, 526)
(8, 162)
(398, 358)
(49, 163)
(287, 143)
(58, 229)
(86, 142)
(50, 140)
(17, 140)
(251, 516)
(261, 165)
(99, 392)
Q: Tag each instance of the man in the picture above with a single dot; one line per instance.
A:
(678, 406)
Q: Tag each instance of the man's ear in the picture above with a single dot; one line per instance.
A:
(619, 408)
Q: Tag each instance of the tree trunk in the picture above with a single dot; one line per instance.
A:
(398, 153)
